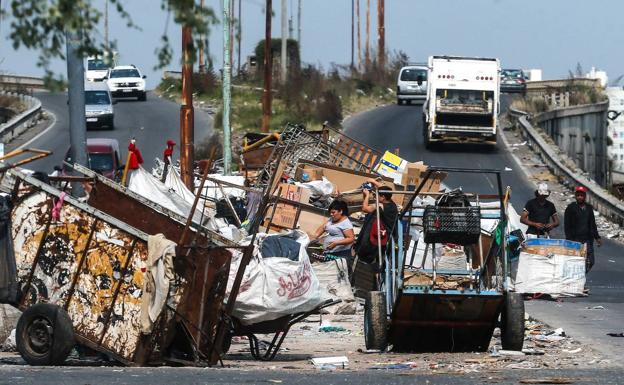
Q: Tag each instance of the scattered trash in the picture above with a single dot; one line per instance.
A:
(275, 381)
(548, 380)
(9, 344)
(336, 362)
(557, 332)
(508, 169)
(393, 366)
(328, 329)
(611, 260)
(573, 351)
(503, 352)
(615, 334)
(599, 307)
(533, 352)
(368, 351)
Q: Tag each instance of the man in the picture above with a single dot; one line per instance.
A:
(540, 214)
(580, 224)
(388, 213)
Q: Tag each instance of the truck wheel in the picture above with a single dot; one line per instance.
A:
(44, 335)
(512, 322)
(143, 97)
(399, 101)
(375, 321)
(426, 141)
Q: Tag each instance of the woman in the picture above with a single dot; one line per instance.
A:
(339, 231)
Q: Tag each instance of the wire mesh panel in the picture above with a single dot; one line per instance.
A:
(459, 225)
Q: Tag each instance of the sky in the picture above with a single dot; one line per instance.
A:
(552, 35)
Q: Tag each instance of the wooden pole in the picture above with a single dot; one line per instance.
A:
(268, 70)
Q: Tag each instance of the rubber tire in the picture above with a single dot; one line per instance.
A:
(428, 144)
(375, 321)
(143, 97)
(512, 322)
(60, 329)
(399, 101)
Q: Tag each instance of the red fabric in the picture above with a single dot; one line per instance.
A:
(135, 158)
(375, 230)
(168, 152)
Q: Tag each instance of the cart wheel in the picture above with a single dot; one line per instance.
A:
(44, 335)
(512, 322)
(375, 321)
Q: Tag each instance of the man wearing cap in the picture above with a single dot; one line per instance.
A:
(540, 214)
(580, 224)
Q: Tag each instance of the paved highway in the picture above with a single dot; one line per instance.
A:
(151, 123)
(391, 127)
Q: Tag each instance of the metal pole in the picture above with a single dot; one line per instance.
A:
(202, 65)
(381, 36)
(352, 34)
(284, 55)
(299, 25)
(227, 74)
(268, 66)
(231, 35)
(240, 34)
(187, 124)
(367, 47)
(106, 40)
(359, 40)
(77, 119)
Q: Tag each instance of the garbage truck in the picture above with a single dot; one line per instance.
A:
(462, 101)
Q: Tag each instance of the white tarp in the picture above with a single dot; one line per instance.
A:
(174, 182)
(211, 189)
(274, 287)
(550, 266)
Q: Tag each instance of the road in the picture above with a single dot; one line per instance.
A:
(392, 126)
(151, 123)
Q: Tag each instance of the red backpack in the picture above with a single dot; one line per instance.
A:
(374, 231)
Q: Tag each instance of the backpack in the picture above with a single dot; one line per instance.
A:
(375, 230)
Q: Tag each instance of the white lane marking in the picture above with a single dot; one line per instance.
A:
(39, 135)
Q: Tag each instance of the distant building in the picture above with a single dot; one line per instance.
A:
(615, 152)
(600, 75)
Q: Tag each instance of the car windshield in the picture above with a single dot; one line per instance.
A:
(101, 162)
(97, 97)
(512, 74)
(129, 73)
(96, 65)
(412, 75)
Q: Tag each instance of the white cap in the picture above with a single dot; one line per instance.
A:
(542, 189)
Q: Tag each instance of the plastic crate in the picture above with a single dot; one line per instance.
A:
(459, 225)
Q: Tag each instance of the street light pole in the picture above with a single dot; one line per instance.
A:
(227, 74)
(187, 123)
(268, 66)
(284, 55)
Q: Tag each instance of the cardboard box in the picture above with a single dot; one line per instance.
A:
(315, 173)
(294, 193)
(392, 166)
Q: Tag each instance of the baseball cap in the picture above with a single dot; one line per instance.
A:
(542, 189)
(582, 189)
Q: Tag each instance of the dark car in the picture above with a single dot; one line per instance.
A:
(512, 81)
(104, 157)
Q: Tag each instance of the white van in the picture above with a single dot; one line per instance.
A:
(97, 69)
(412, 84)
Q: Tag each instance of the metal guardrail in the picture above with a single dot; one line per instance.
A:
(605, 203)
(547, 86)
(20, 123)
(16, 83)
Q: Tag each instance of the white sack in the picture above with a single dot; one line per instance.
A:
(274, 287)
(550, 271)
(318, 188)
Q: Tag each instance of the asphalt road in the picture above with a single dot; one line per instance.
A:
(195, 376)
(392, 126)
(151, 123)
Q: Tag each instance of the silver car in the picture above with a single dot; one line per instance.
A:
(99, 106)
(412, 84)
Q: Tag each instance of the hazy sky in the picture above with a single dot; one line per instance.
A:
(553, 35)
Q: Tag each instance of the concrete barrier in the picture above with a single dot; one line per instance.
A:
(605, 203)
(22, 122)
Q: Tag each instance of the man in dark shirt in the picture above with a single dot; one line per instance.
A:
(539, 213)
(580, 224)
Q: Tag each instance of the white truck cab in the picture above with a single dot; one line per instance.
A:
(462, 103)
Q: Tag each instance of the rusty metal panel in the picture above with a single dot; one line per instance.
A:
(27, 231)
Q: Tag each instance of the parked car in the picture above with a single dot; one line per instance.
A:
(103, 157)
(127, 81)
(512, 81)
(99, 106)
(412, 84)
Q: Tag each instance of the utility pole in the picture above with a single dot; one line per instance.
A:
(106, 40)
(76, 104)
(202, 64)
(352, 34)
(240, 33)
(231, 34)
(268, 66)
(381, 36)
(227, 75)
(367, 48)
(299, 26)
(359, 41)
(284, 55)
(187, 117)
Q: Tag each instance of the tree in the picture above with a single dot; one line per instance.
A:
(41, 25)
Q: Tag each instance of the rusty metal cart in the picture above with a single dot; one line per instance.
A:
(430, 309)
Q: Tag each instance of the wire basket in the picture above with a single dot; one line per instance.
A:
(459, 225)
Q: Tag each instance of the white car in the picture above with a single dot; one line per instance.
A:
(412, 84)
(126, 81)
(97, 69)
